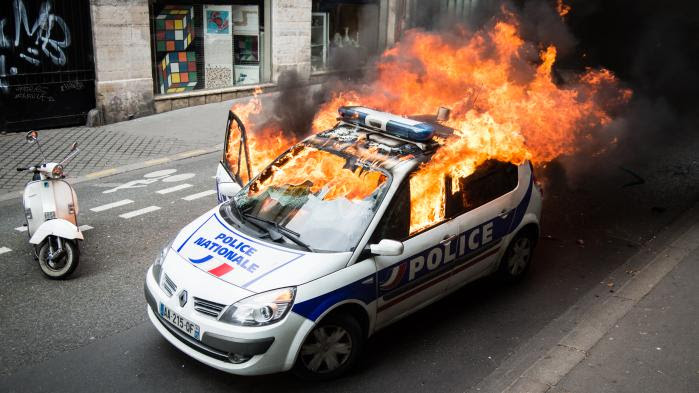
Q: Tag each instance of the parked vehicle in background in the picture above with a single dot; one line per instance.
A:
(51, 211)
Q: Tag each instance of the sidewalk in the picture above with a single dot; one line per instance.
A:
(195, 130)
(639, 338)
(654, 348)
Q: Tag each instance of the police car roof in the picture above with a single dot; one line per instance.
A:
(440, 129)
(385, 149)
(380, 149)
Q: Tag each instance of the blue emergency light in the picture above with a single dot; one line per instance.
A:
(389, 123)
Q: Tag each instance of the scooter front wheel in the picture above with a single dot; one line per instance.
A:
(58, 262)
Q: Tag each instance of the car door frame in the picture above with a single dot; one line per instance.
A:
(491, 223)
(224, 174)
(417, 277)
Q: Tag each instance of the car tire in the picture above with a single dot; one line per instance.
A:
(65, 266)
(330, 349)
(517, 258)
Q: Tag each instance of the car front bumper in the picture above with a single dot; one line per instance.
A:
(273, 347)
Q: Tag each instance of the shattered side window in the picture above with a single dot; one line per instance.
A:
(327, 198)
(491, 180)
(395, 223)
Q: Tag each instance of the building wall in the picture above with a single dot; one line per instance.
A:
(123, 60)
(291, 37)
(46, 64)
(124, 82)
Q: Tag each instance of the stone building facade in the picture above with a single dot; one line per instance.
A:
(129, 80)
(65, 62)
(61, 60)
(123, 77)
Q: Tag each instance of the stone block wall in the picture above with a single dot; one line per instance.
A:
(121, 36)
(291, 37)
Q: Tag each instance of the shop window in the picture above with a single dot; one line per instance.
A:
(344, 34)
(198, 45)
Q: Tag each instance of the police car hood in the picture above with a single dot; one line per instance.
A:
(212, 245)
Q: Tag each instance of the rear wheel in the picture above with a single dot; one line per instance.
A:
(331, 348)
(58, 262)
(517, 258)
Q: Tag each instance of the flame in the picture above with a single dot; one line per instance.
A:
(505, 106)
(562, 8)
(321, 171)
(266, 141)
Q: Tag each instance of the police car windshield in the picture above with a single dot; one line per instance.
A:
(326, 197)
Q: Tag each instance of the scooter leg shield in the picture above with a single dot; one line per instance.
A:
(57, 227)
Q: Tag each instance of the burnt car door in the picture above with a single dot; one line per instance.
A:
(233, 170)
(483, 207)
(419, 275)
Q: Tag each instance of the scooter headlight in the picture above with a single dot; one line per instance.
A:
(57, 171)
(158, 263)
(261, 309)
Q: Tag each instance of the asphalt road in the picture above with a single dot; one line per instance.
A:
(91, 333)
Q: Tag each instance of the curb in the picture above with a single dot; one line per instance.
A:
(587, 321)
(127, 168)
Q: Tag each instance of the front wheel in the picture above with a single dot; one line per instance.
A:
(331, 348)
(58, 257)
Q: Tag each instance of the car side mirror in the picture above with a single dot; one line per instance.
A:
(32, 136)
(228, 188)
(387, 248)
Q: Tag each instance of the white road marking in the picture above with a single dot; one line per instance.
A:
(112, 205)
(21, 229)
(173, 189)
(178, 177)
(4, 250)
(84, 228)
(139, 212)
(199, 195)
(161, 173)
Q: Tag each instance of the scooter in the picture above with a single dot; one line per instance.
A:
(51, 211)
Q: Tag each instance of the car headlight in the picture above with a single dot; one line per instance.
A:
(158, 263)
(261, 309)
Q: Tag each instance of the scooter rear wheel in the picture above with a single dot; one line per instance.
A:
(62, 266)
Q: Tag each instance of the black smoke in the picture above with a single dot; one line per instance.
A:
(294, 107)
(652, 47)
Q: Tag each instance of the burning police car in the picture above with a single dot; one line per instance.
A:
(322, 248)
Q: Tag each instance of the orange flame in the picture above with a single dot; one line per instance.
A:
(505, 106)
(323, 171)
(562, 8)
(264, 143)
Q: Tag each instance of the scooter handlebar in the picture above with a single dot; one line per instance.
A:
(22, 169)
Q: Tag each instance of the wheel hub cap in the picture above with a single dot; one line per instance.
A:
(521, 250)
(326, 349)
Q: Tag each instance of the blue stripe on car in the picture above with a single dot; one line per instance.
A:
(366, 291)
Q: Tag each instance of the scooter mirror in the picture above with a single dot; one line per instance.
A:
(32, 136)
(74, 146)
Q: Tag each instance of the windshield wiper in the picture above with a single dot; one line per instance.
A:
(281, 229)
(242, 217)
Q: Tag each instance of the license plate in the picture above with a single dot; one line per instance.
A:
(191, 328)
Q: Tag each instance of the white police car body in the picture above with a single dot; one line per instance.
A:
(241, 293)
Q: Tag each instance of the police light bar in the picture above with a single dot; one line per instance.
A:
(389, 123)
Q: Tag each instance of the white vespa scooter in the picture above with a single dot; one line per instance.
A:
(51, 210)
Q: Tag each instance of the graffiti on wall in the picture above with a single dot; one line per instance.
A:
(46, 39)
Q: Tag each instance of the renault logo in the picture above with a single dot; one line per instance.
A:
(183, 298)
